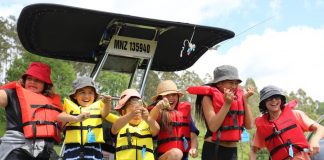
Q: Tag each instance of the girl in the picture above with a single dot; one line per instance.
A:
(83, 115)
(176, 139)
(281, 129)
(223, 106)
(134, 129)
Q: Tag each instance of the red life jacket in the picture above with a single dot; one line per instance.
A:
(39, 113)
(281, 133)
(232, 125)
(179, 129)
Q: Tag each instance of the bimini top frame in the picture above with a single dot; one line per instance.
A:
(115, 42)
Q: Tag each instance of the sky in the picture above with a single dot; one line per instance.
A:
(277, 42)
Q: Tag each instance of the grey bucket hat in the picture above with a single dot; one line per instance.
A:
(225, 72)
(269, 91)
(82, 82)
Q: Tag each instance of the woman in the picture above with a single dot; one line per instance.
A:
(31, 111)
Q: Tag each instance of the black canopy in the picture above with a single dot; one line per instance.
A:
(78, 34)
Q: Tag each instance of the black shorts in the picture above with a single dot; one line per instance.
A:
(224, 153)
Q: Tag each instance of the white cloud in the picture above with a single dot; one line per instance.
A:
(290, 59)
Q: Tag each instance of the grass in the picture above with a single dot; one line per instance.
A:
(2, 128)
(57, 148)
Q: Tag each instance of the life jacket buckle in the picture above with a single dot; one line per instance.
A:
(39, 122)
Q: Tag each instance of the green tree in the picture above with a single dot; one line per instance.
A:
(82, 69)
(207, 78)
(320, 109)
(254, 99)
(112, 83)
(189, 79)
(305, 103)
(150, 87)
(10, 48)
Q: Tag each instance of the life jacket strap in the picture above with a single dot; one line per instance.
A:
(91, 116)
(129, 138)
(217, 142)
(171, 139)
(231, 112)
(277, 148)
(45, 106)
(41, 122)
(224, 128)
(82, 127)
(121, 148)
(276, 133)
(136, 135)
(178, 124)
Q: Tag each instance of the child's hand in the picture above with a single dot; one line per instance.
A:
(314, 147)
(83, 116)
(164, 104)
(105, 98)
(137, 112)
(145, 114)
(193, 152)
(249, 92)
(229, 96)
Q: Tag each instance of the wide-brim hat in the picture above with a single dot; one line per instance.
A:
(225, 72)
(166, 87)
(125, 96)
(269, 91)
(82, 82)
(40, 71)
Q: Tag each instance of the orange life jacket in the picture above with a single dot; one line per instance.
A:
(232, 125)
(282, 133)
(178, 135)
(39, 113)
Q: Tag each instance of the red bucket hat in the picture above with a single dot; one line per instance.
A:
(40, 71)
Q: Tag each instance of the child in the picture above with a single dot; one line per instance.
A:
(83, 115)
(134, 129)
(30, 105)
(223, 106)
(175, 140)
(281, 129)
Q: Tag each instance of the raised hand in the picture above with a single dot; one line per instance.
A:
(249, 92)
(83, 116)
(164, 104)
(229, 95)
(145, 114)
(105, 98)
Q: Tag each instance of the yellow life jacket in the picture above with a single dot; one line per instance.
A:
(135, 142)
(94, 123)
